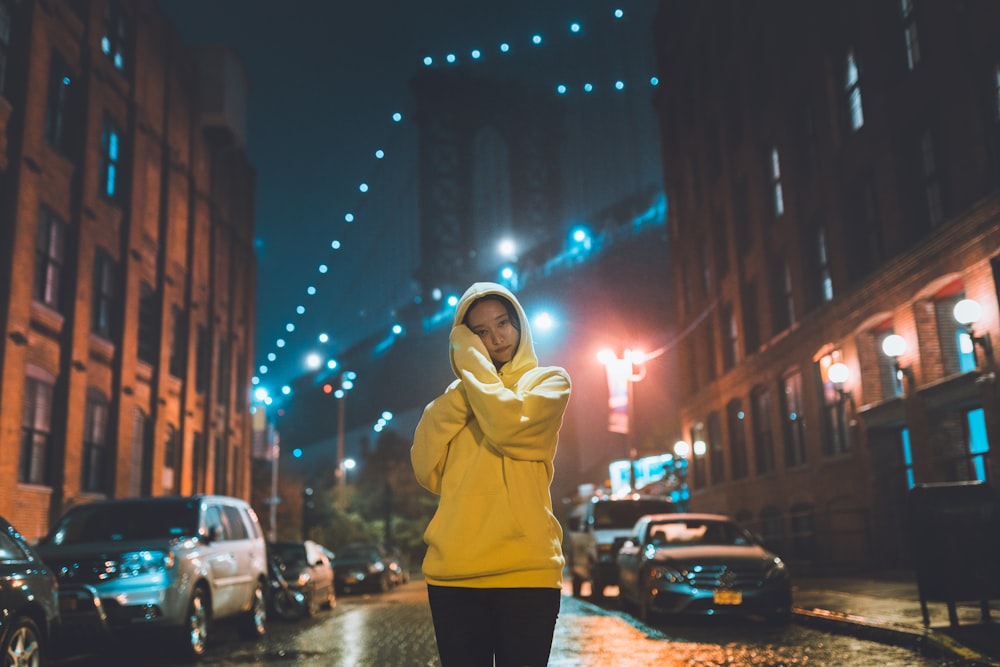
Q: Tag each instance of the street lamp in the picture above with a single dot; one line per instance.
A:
(967, 312)
(894, 346)
(623, 372)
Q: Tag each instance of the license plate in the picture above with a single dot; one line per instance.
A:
(727, 597)
(67, 604)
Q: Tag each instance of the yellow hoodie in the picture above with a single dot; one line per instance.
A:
(486, 446)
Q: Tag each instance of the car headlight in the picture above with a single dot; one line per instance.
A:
(136, 563)
(776, 570)
(374, 568)
(668, 574)
(303, 580)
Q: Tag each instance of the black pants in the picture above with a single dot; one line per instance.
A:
(474, 626)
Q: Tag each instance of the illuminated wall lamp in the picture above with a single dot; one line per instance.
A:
(894, 346)
(967, 312)
(839, 374)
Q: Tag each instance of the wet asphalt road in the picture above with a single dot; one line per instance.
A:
(394, 630)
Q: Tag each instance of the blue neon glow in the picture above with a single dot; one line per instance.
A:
(450, 57)
(311, 291)
(561, 89)
(348, 217)
(504, 47)
(476, 54)
(323, 268)
(428, 61)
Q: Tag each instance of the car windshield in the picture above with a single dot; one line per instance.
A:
(624, 513)
(702, 533)
(115, 522)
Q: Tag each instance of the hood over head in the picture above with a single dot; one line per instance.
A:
(524, 359)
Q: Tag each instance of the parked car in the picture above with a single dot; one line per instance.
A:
(173, 564)
(597, 529)
(28, 600)
(308, 570)
(361, 567)
(701, 564)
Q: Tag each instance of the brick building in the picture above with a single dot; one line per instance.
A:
(832, 172)
(127, 269)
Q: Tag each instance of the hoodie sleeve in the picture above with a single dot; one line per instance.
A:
(442, 419)
(521, 423)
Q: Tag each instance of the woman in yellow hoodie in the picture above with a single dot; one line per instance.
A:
(494, 547)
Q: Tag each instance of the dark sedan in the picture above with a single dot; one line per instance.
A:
(702, 564)
(361, 567)
(28, 598)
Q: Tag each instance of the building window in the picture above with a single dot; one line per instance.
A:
(730, 346)
(241, 383)
(716, 458)
(178, 343)
(141, 463)
(4, 43)
(778, 198)
(784, 302)
(36, 430)
(198, 463)
(823, 268)
(224, 383)
(221, 466)
(955, 344)
(852, 91)
(203, 355)
(836, 439)
(932, 179)
(910, 34)
(889, 376)
(907, 457)
(149, 324)
(50, 247)
(171, 460)
(95, 473)
(113, 43)
(102, 314)
(736, 421)
(111, 177)
(978, 445)
(59, 106)
(996, 92)
(763, 435)
(794, 420)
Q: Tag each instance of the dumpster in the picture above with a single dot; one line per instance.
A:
(954, 531)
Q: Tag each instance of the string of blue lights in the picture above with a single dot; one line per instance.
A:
(564, 86)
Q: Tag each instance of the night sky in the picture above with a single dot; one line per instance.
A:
(325, 78)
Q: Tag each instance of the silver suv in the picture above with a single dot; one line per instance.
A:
(597, 529)
(170, 563)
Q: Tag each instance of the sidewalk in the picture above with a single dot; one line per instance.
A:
(886, 607)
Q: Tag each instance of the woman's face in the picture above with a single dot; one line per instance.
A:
(489, 320)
